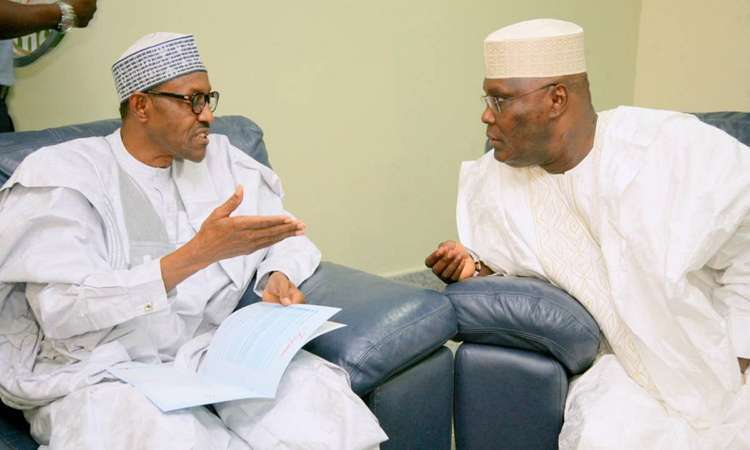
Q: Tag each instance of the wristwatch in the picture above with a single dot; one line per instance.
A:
(477, 262)
(67, 16)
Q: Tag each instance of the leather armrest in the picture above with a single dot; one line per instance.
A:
(528, 314)
(736, 124)
(390, 325)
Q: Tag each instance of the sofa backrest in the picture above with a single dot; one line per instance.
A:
(735, 124)
(14, 147)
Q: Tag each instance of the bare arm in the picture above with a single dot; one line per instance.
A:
(18, 19)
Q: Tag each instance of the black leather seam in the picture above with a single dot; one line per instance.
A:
(593, 333)
(396, 333)
(517, 333)
(375, 399)
(562, 392)
(595, 336)
(6, 441)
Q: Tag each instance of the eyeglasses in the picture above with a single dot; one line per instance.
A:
(495, 103)
(197, 101)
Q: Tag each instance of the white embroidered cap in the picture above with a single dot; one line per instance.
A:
(536, 48)
(155, 59)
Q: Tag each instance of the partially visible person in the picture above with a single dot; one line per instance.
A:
(135, 247)
(19, 19)
(642, 215)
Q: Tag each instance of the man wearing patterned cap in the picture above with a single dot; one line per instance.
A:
(129, 253)
(642, 215)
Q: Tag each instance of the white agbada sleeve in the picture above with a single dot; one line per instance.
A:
(676, 247)
(59, 250)
(295, 257)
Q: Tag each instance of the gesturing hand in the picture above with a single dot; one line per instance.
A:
(222, 237)
(280, 290)
(450, 262)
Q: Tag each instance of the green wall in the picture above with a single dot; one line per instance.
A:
(368, 107)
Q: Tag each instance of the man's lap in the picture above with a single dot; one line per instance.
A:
(607, 409)
(315, 400)
(314, 407)
(114, 415)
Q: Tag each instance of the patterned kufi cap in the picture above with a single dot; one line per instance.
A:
(536, 48)
(155, 59)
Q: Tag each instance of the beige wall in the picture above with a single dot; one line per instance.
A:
(368, 107)
(693, 55)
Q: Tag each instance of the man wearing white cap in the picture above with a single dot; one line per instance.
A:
(642, 215)
(128, 252)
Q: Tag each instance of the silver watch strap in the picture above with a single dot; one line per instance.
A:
(477, 261)
(67, 16)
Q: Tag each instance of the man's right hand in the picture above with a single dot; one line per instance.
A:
(221, 237)
(450, 262)
(84, 9)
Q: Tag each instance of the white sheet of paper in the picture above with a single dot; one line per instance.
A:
(246, 358)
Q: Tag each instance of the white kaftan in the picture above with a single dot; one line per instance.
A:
(651, 233)
(84, 225)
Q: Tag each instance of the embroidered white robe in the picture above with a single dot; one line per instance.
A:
(651, 233)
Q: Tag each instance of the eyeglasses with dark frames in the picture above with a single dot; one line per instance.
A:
(197, 101)
(495, 103)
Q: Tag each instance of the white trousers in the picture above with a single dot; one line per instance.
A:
(607, 410)
(314, 408)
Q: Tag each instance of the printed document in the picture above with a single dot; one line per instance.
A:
(246, 358)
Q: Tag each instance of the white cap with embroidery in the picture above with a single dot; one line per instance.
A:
(153, 60)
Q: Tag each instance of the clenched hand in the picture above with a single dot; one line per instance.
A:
(450, 262)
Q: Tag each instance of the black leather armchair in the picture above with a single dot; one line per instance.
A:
(522, 340)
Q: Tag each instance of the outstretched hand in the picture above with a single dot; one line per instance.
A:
(222, 236)
(450, 262)
(282, 291)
